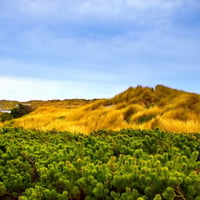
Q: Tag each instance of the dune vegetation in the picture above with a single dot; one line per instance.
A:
(140, 107)
(111, 165)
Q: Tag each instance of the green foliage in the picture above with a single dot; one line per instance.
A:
(157, 197)
(123, 165)
(5, 117)
(145, 118)
(169, 193)
(20, 111)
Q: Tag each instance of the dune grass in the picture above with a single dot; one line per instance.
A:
(141, 107)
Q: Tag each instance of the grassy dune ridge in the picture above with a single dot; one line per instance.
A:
(140, 107)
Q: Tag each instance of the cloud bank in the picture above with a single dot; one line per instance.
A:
(103, 44)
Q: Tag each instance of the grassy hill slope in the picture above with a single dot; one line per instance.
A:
(140, 107)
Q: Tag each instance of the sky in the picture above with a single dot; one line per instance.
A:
(63, 49)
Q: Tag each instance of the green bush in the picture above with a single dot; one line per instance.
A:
(5, 117)
(20, 111)
(127, 164)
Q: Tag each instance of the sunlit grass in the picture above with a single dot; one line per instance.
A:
(143, 108)
(178, 126)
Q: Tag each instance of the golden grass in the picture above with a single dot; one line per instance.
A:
(178, 126)
(144, 108)
(1, 124)
(130, 110)
(181, 114)
(145, 115)
(77, 120)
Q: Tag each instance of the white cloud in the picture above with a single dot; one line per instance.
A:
(24, 89)
(78, 72)
(75, 41)
(136, 10)
(36, 7)
(86, 59)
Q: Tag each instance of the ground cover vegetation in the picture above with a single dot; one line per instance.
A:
(112, 165)
(139, 108)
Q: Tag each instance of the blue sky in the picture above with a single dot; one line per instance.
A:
(60, 49)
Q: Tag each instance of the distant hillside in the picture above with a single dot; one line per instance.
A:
(140, 107)
(7, 105)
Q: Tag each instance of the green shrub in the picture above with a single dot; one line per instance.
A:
(20, 111)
